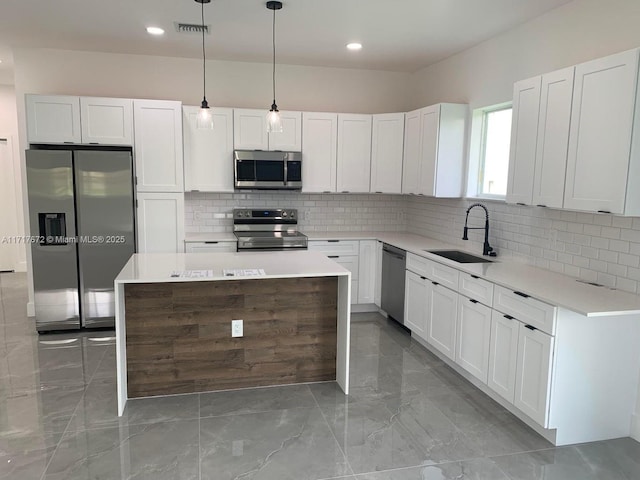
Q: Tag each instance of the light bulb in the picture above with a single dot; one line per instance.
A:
(274, 122)
(204, 120)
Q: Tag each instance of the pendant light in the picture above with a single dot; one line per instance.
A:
(274, 122)
(204, 119)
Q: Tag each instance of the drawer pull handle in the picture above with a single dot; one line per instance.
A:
(523, 295)
(326, 191)
(543, 206)
(423, 278)
(530, 327)
(604, 211)
(473, 301)
(475, 276)
(333, 241)
(509, 317)
(435, 283)
(334, 256)
(210, 243)
(521, 204)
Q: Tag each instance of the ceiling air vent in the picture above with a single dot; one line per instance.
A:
(191, 28)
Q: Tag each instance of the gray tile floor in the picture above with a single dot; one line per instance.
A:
(409, 417)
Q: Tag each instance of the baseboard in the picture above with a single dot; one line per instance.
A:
(31, 309)
(363, 308)
(635, 426)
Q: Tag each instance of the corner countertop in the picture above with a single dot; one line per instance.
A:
(550, 287)
(158, 267)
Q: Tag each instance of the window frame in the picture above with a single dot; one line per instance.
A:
(477, 151)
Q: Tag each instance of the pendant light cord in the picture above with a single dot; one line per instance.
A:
(204, 58)
(273, 36)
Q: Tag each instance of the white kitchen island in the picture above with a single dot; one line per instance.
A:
(157, 271)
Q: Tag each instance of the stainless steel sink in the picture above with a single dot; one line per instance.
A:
(458, 256)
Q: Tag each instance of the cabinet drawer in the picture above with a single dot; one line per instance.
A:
(335, 247)
(476, 288)
(210, 247)
(447, 276)
(526, 309)
(417, 264)
(350, 262)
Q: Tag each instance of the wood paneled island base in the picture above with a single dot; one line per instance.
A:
(178, 335)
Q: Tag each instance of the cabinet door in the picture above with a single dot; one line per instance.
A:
(208, 153)
(524, 135)
(107, 121)
(367, 271)
(250, 129)
(411, 160)
(350, 262)
(290, 140)
(430, 126)
(53, 119)
(211, 247)
(160, 222)
(473, 336)
(377, 296)
(503, 355)
(600, 135)
(450, 157)
(354, 153)
(441, 321)
(533, 373)
(553, 138)
(158, 145)
(416, 304)
(386, 153)
(319, 151)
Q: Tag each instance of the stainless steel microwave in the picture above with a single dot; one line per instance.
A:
(260, 169)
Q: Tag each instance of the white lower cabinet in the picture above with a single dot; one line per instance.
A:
(416, 304)
(441, 330)
(377, 294)
(160, 222)
(350, 262)
(367, 271)
(503, 355)
(533, 373)
(473, 337)
(211, 247)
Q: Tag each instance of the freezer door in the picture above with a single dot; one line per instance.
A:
(53, 250)
(106, 237)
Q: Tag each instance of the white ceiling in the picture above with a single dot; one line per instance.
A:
(398, 35)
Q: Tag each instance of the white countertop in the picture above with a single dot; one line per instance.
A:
(158, 267)
(551, 287)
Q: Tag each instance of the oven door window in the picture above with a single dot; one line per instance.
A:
(246, 170)
(270, 171)
(294, 171)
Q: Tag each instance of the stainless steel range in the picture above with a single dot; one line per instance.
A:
(274, 229)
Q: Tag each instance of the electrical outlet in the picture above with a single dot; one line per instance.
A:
(236, 328)
(553, 236)
(197, 215)
(307, 215)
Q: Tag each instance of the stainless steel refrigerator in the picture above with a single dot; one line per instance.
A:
(81, 212)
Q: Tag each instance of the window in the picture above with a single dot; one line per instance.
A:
(493, 133)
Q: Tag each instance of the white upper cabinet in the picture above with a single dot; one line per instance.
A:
(250, 131)
(53, 119)
(439, 149)
(553, 138)
(524, 135)
(386, 153)
(158, 145)
(290, 140)
(319, 152)
(91, 120)
(411, 156)
(160, 222)
(598, 164)
(106, 121)
(208, 153)
(354, 153)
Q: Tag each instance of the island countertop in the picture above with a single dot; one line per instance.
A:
(158, 267)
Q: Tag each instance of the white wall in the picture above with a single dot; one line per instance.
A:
(12, 210)
(576, 32)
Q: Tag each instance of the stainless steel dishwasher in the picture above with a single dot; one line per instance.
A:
(393, 274)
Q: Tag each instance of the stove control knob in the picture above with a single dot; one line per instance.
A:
(284, 214)
(292, 214)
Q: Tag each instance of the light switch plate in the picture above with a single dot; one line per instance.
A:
(237, 328)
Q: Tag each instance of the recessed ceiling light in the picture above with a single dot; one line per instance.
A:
(155, 30)
(354, 46)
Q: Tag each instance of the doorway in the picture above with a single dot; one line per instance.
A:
(8, 218)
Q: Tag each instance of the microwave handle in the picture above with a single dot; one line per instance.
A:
(286, 176)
